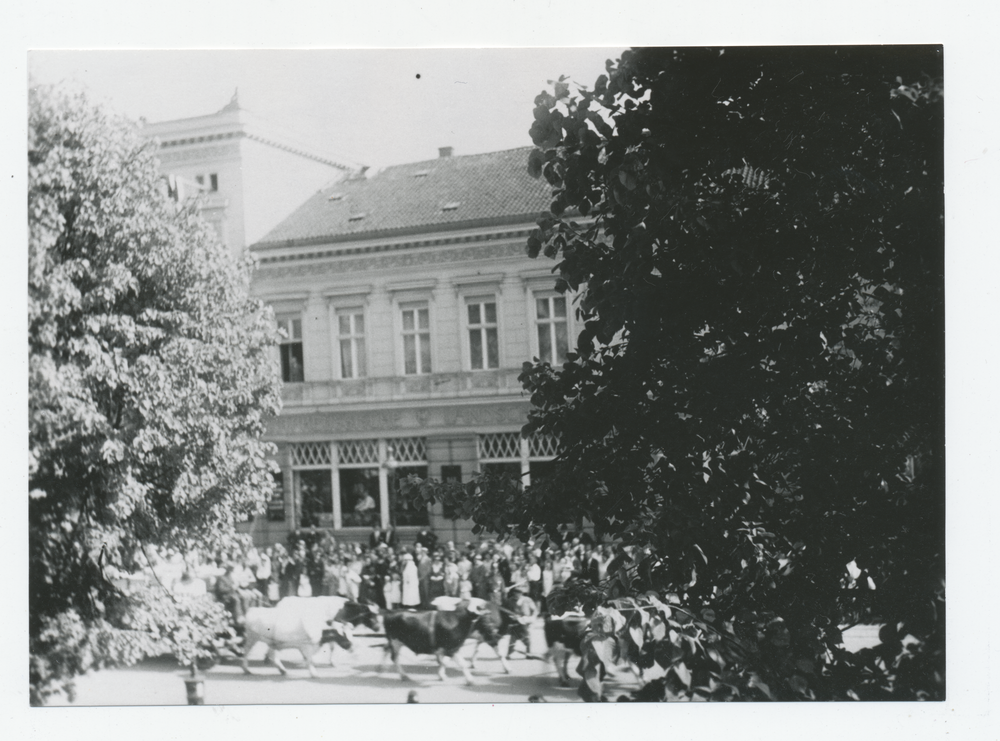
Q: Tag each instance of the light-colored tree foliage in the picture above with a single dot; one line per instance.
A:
(150, 381)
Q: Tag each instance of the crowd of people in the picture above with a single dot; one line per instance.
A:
(384, 571)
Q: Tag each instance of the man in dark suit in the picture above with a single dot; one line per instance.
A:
(479, 576)
(424, 566)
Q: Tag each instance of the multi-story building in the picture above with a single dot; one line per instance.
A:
(409, 306)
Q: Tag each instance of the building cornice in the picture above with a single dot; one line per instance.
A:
(171, 143)
(439, 227)
(205, 138)
(374, 245)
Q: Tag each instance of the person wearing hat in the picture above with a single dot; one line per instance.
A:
(479, 576)
(533, 573)
(464, 573)
(228, 594)
(525, 610)
(423, 560)
(495, 585)
(377, 537)
(451, 575)
(411, 583)
(435, 580)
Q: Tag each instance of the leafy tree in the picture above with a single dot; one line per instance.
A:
(149, 386)
(755, 406)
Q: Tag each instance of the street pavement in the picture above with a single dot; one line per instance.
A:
(364, 675)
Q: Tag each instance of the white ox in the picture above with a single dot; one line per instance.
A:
(296, 622)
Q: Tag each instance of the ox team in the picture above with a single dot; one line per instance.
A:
(429, 598)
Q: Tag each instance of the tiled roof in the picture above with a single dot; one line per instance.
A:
(422, 196)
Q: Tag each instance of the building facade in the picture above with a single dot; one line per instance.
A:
(247, 176)
(408, 306)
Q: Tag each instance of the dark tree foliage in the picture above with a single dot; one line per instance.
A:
(755, 240)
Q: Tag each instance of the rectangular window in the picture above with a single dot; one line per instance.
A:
(484, 348)
(291, 349)
(451, 474)
(402, 512)
(527, 460)
(500, 469)
(552, 328)
(416, 340)
(314, 492)
(540, 470)
(214, 180)
(351, 336)
(359, 497)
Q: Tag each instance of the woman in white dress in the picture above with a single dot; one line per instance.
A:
(411, 583)
(451, 577)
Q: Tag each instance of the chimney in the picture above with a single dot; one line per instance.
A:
(444, 152)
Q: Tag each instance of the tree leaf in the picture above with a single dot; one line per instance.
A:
(535, 162)
(636, 634)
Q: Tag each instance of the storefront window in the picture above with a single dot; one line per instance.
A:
(540, 470)
(359, 497)
(511, 469)
(528, 460)
(353, 483)
(401, 512)
(315, 495)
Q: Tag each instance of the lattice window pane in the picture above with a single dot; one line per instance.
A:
(358, 451)
(408, 449)
(311, 454)
(543, 446)
(500, 446)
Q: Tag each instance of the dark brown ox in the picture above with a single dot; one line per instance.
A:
(431, 632)
(493, 623)
(563, 635)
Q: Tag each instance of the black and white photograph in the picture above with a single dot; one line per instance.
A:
(482, 376)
